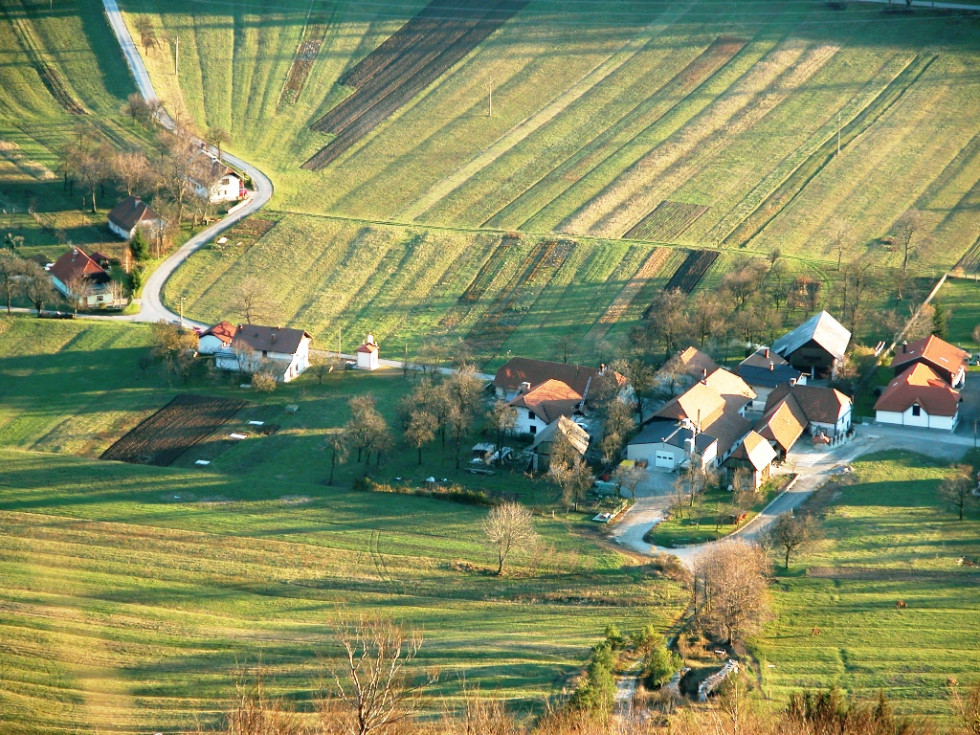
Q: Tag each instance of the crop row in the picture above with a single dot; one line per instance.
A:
(306, 53)
(667, 221)
(692, 270)
(175, 428)
(397, 80)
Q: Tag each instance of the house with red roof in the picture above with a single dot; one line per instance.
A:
(81, 280)
(216, 338)
(919, 397)
(284, 352)
(543, 405)
(827, 411)
(945, 360)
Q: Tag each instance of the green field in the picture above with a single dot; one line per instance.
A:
(132, 596)
(887, 540)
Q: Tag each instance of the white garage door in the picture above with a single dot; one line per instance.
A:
(664, 459)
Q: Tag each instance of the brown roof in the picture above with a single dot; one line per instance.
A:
(691, 361)
(575, 434)
(519, 370)
(75, 264)
(224, 331)
(270, 339)
(130, 212)
(549, 401)
(783, 423)
(935, 351)
(919, 385)
(701, 404)
(727, 427)
(819, 404)
(756, 450)
(729, 385)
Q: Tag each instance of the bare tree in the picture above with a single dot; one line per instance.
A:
(339, 444)
(176, 348)
(792, 532)
(147, 34)
(733, 576)
(906, 228)
(373, 682)
(569, 471)
(956, 490)
(36, 285)
(218, 137)
(667, 320)
(501, 418)
(251, 300)
(509, 529)
(12, 267)
(629, 477)
(421, 430)
(133, 171)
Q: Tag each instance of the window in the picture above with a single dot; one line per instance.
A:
(530, 415)
(916, 409)
(533, 429)
(265, 353)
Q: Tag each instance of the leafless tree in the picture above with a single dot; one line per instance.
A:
(133, 171)
(36, 285)
(509, 529)
(792, 532)
(956, 490)
(501, 418)
(339, 445)
(569, 471)
(421, 430)
(251, 300)
(12, 267)
(147, 34)
(667, 320)
(175, 348)
(218, 137)
(906, 229)
(373, 683)
(629, 477)
(734, 578)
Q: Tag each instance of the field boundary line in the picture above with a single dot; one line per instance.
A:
(533, 122)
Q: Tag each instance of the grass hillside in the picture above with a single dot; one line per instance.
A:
(133, 596)
(888, 537)
(602, 111)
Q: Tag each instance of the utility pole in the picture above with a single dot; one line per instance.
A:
(490, 95)
(176, 54)
(338, 342)
(181, 312)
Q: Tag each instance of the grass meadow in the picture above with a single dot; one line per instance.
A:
(887, 537)
(133, 596)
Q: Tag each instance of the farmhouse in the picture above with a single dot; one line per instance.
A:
(132, 214)
(827, 410)
(756, 455)
(919, 397)
(545, 440)
(81, 280)
(216, 338)
(368, 354)
(816, 347)
(543, 405)
(782, 426)
(285, 352)
(672, 444)
(945, 360)
(763, 370)
(521, 374)
(225, 184)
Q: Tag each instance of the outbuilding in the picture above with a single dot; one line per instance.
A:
(369, 354)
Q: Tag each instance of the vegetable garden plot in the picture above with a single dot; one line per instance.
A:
(667, 221)
(306, 53)
(171, 431)
(692, 270)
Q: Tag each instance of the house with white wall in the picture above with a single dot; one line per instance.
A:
(543, 404)
(919, 397)
(283, 351)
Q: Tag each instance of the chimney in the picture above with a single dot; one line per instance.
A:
(602, 368)
(905, 347)
(524, 388)
(792, 382)
(767, 353)
(771, 365)
(369, 340)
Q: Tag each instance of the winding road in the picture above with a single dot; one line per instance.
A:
(152, 308)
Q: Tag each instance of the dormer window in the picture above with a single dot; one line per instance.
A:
(916, 409)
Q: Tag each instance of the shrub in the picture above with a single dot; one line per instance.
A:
(661, 665)
(264, 382)
(614, 637)
(136, 279)
(139, 246)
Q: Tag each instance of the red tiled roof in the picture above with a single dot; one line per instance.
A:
(130, 212)
(728, 384)
(919, 385)
(783, 423)
(549, 401)
(76, 264)
(819, 404)
(935, 351)
(223, 331)
(368, 347)
(520, 370)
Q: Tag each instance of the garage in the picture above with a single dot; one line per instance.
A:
(664, 459)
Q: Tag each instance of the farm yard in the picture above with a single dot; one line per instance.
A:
(134, 595)
(887, 541)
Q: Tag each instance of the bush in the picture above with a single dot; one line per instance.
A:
(645, 638)
(136, 279)
(139, 246)
(598, 693)
(264, 382)
(661, 665)
(614, 637)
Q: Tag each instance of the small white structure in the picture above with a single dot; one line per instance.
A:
(672, 444)
(368, 354)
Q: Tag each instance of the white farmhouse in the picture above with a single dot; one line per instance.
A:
(284, 351)
(919, 397)
(542, 405)
(133, 214)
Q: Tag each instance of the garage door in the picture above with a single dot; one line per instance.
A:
(664, 459)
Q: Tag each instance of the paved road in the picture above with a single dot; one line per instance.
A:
(814, 465)
(152, 308)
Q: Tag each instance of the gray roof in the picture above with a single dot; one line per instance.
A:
(575, 434)
(270, 339)
(823, 329)
(755, 369)
(673, 433)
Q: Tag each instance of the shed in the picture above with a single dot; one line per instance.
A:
(368, 354)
